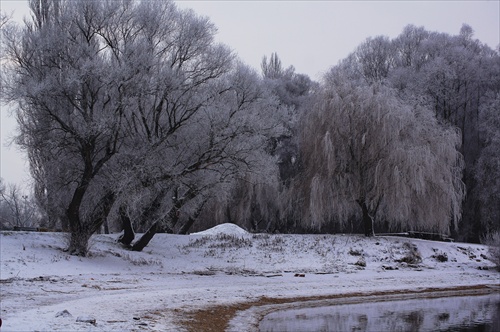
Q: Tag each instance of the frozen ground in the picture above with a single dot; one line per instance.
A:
(154, 290)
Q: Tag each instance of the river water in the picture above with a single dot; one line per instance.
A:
(458, 314)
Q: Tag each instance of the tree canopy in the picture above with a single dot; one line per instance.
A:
(134, 118)
(368, 154)
(127, 103)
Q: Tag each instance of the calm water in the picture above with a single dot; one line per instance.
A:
(467, 313)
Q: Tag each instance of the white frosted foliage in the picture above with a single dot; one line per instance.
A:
(361, 145)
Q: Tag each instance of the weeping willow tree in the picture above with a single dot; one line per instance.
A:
(367, 154)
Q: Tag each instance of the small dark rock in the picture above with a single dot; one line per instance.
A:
(444, 316)
(86, 319)
(441, 257)
(389, 268)
(361, 262)
(355, 252)
(64, 313)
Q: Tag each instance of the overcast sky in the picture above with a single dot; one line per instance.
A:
(310, 35)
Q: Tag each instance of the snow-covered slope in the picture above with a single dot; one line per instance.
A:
(150, 290)
(230, 229)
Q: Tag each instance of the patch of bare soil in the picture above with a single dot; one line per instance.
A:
(216, 318)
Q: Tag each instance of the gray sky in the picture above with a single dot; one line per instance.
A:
(310, 35)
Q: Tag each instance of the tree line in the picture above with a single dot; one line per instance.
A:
(134, 119)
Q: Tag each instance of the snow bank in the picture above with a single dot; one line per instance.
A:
(227, 228)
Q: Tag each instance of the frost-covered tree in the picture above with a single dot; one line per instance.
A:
(129, 102)
(17, 209)
(407, 47)
(369, 155)
(291, 88)
(181, 68)
(487, 170)
(376, 58)
(272, 68)
(224, 142)
(4, 19)
(256, 201)
(67, 95)
(452, 75)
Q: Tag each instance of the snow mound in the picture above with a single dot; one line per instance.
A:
(227, 228)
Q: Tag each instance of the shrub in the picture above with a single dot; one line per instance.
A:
(440, 257)
(141, 261)
(225, 241)
(274, 243)
(412, 255)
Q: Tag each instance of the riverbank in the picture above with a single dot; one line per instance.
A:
(249, 319)
(205, 281)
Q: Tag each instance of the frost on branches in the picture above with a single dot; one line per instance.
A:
(367, 154)
(131, 110)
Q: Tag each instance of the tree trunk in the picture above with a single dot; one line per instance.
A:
(82, 229)
(159, 226)
(228, 215)
(165, 224)
(368, 224)
(80, 234)
(101, 212)
(151, 211)
(187, 225)
(164, 227)
(128, 232)
(367, 219)
(78, 244)
(79, 241)
(106, 227)
(144, 240)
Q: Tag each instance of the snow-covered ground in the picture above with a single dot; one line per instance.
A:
(156, 289)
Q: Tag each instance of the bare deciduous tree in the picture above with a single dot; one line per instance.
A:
(17, 209)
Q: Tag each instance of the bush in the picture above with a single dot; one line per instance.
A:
(439, 255)
(412, 255)
(220, 241)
